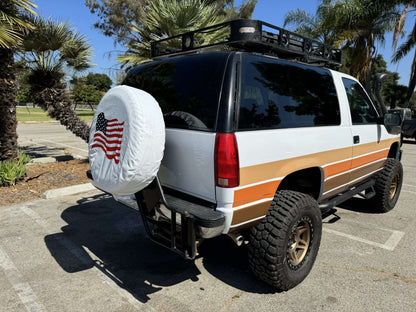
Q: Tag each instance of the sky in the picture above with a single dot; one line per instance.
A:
(271, 11)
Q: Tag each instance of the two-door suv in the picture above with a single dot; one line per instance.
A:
(253, 136)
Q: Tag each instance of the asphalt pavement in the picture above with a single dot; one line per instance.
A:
(86, 252)
(50, 139)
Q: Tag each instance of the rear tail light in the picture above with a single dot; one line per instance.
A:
(227, 167)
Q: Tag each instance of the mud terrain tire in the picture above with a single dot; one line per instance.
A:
(284, 246)
(388, 186)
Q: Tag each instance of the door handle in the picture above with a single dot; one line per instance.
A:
(356, 139)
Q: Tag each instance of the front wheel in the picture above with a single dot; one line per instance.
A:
(284, 246)
(388, 186)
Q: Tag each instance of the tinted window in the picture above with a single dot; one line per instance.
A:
(187, 88)
(280, 94)
(362, 111)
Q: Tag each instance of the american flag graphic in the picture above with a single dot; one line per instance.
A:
(108, 135)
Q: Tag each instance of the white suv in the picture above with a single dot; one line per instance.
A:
(259, 143)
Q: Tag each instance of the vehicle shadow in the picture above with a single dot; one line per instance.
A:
(222, 258)
(357, 204)
(104, 234)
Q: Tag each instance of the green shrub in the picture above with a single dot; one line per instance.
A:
(24, 158)
(12, 170)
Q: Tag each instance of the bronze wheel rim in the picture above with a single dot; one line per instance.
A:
(393, 187)
(301, 239)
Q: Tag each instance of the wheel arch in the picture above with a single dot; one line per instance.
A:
(394, 151)
(309, 181)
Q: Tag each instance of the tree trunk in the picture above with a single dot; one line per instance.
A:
(8, 121)
(412, 83)
(59, 106)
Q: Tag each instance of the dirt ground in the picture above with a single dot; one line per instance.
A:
(43, 177)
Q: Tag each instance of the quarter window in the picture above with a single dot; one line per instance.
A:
(279, 94)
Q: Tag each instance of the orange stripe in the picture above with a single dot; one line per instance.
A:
(338, 168)
(360, 161)
(254, 193)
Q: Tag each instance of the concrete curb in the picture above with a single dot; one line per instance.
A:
(69, 190)
(42, 160)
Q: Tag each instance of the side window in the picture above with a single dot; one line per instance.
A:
(362, 110)
(279, 94)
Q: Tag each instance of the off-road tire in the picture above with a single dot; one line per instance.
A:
(388, 186)
(272, 242)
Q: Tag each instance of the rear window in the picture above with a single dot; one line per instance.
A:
(279, 94)
(187, 88)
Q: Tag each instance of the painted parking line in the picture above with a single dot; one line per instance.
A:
(65, 145)
(22, 288)
(390, 244)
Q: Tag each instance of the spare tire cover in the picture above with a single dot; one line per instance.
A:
(127, 140)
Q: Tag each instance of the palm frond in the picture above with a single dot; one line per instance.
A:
(56, 45)
(399, 26)
(169, 18)
(405, 48)
(13, 21)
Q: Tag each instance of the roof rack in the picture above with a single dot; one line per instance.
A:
(252, 36)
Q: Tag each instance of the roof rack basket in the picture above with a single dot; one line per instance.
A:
(252, 36)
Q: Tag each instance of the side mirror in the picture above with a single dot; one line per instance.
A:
(393, 123)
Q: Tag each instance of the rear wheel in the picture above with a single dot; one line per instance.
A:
(388, 186)
(284, 246)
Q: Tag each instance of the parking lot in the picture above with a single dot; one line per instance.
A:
(85, 252)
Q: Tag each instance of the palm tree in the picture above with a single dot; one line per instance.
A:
(311, 25)
(52, 47)
(406, 47)
(169, 18)
(12, 27)
(356, 24)
(363, 24)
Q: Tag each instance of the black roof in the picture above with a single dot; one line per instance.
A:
(252, 36)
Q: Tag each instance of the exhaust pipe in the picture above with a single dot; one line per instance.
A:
(237, 238)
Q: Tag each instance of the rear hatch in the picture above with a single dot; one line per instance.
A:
(188, 90)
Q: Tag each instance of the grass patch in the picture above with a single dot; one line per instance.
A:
(26, 114)
(13, 170)
(86, 115)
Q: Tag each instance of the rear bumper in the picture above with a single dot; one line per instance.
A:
(208, 222)
(173, 222)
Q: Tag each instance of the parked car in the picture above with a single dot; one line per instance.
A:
(254, 140)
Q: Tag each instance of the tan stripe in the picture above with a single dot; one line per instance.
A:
(245, 225)
(337, 181)
(249, 213)
(374, 146)
(366, 170)
(281, 168)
